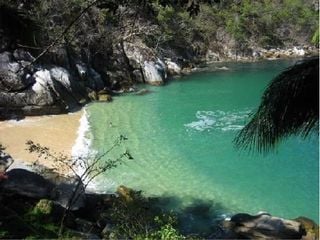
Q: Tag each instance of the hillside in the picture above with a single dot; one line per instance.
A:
(90, 50)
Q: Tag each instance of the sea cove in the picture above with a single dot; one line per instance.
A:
(181, 138)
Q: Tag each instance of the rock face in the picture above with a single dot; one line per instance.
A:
(58, 189)
(47, 89)
(26, 183)
(144, 60)
(173, 68)
(264, 226)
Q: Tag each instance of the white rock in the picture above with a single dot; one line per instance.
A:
(61, 75)
(151, 73)
(298, 52)
(82, 69)
(43, 81)
(173, 68)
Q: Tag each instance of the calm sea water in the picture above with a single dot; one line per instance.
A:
(181, 138)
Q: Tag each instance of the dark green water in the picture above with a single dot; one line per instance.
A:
(181, 138)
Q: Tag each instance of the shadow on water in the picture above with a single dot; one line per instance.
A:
(199, 217)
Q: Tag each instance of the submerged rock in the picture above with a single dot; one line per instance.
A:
(143, 92)
(104, 97)
(125, 193)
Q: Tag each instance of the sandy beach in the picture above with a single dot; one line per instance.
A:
(58, 132)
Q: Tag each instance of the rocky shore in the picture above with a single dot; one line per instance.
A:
(28, 89)
(102, 55)
(98, 216)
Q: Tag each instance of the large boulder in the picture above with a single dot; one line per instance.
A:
(154, 72)
(12, 75)
(91, 77)
(264, 226)
(44, 90)
(70, 189)
(65, 189)
(50, 186)
(144, 59)
(26, 183)
(22, 55)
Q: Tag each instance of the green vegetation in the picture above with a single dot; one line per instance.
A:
(167, 25)
(135, 217)
(237, 24)
(315, 38)
(289, 105)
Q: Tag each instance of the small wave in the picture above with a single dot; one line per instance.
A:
(219, 120)
(81, 148)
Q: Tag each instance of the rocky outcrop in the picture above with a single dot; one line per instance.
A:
(256, 53)
(26, 89)
(22, 182)
(263, 226)
(25, 183)
(147, 67)
(173, 68)
(311, 228)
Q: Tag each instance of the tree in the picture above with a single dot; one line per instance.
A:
(289, 106)
(84, 169)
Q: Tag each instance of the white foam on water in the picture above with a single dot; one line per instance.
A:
(81, 148)
(83, 151)
(219, 120)
(205, 121)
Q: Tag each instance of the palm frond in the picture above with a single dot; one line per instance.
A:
(289, 105)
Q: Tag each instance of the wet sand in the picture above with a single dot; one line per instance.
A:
(57, 132)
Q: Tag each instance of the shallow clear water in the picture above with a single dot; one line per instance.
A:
(181, 137)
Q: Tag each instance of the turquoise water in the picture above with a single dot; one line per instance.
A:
(181, 137)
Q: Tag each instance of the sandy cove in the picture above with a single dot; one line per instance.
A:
(58, 132)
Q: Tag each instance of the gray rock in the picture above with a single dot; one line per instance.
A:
(154, 72)
(64, 191)
(211, 56)
(5, 57)
(138, 75)
(84, 225)
(264, 226)
(20, 54)
(142, 57)
(61, 75)
(95, 80)
(82, 70)
(26, 183)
